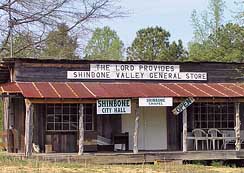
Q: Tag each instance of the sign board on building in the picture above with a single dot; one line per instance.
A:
(136, 71)
(113, 106)
(156, 101)
(183, 105)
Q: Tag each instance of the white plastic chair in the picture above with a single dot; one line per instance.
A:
(214, 134)
(200, 135)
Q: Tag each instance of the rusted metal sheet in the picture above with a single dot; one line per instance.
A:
(181, 92)
(28, 90)
(46, 90)
(222, 89)
(63, 90)
(209, 90)
(193, 90)
(122, 90)
(80, 90)
(10, 88)
(234, 88)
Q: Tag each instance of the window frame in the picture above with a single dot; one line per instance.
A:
(68, 119)
(208, 115)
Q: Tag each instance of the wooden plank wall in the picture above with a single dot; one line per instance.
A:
(37, 72)
(18, 110)
(63, 142)
(174, 130)
(39, 126)
(242, 115)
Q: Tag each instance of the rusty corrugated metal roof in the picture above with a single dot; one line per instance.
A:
(122, 90)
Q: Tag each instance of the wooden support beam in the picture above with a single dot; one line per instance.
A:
(238, 127)
(28, 127)
(61, 101)
(184, 130)
(81, 129)
(6, 112)
(135, 137)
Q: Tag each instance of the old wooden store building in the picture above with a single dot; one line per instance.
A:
(152, 110)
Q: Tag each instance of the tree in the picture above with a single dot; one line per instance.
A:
(206, 27)
(208, 21)
(104, 44)
(152, 44)
(239, 14)
(21, 43)
(38, 17)
(225, 45)
(59, 44)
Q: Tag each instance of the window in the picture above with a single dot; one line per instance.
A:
(213, 115)
(65, 117)
(89, 112)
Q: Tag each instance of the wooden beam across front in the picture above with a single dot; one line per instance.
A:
(210, 100)
(175, 99)
(59, 101)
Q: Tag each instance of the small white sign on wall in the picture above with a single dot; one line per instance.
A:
(156, 101)
(113, 106)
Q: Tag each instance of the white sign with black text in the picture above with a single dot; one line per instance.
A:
(156, 101)
(113, 106)
(136, 71)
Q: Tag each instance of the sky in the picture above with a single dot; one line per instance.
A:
(172, 15)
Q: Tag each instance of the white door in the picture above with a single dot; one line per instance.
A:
(152, 128)
(155, 134)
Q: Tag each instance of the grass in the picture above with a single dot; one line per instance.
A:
(14, 165)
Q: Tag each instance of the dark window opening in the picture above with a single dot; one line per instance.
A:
(213, 115)
(65, 117)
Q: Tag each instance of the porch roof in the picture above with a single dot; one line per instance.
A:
(94, 90)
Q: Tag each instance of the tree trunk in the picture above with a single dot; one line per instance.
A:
(28, 128)
(135, 147)
(237, 127)
(81, 130)
(185, 130)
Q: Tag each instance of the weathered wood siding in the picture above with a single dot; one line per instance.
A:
(63, 142)
(174, 130)
(18, 111)
(39, 126)
(242, 115)
(37, 72)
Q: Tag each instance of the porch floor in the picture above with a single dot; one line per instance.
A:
(129, 157)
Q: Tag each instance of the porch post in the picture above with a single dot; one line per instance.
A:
(184, 130)
(81, 130)
(6, 112)
(237, 127)
(135, 137)
(28, 127)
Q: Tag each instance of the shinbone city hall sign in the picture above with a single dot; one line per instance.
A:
(136, 71)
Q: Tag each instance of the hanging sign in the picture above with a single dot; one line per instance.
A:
(136, 72)
(156, 101)
(113, 106)
(183, 105)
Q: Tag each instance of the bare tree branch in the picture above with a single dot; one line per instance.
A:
(38, 17)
